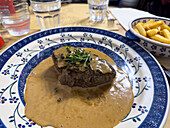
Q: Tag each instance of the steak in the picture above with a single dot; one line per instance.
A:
(94, 72)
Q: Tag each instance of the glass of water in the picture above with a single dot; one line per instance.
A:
(98, 9)
(47, 13)
(15, 16)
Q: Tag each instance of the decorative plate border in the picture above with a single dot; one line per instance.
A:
(156, 117)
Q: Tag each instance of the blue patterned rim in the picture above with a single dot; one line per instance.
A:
(156, 116)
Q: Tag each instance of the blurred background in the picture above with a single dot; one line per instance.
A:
(156, 7)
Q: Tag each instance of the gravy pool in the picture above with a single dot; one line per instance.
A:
(48, 103)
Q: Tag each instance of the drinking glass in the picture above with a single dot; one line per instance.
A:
(47, 13)
(98, 9)
(15, 16)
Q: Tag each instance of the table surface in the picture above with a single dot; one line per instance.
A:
(75, 18)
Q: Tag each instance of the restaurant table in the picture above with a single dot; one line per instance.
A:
(76, 15)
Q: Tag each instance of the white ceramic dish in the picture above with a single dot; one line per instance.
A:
(150, 86)
(155, 47)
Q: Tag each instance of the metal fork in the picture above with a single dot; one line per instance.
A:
(109, 16)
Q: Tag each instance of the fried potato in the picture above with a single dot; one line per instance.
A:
(157, 30)
(160, 38)
(161, 33)
(141, 29)
(155, 24)
(136, 30)
(165, 26)
(166, 33)
(152, 32)
(146, 25)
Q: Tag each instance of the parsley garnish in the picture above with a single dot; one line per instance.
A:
(77, 55)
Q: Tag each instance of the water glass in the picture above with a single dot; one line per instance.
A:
(98, 9)
(47, 13)
(15, 16)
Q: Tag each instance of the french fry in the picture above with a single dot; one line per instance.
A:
(155, 24)
(166, 33)
(157, 30)
(161, 33)
(152, 32)
(136, 30)
(165, 26)
(146, 25)
(141, 29)
(160, 38)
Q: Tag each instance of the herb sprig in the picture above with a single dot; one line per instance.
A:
(77, 56)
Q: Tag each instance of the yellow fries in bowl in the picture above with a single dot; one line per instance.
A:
(151, 30)
(153, 33)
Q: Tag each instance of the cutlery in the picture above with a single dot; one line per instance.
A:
(109, 16)
(167, 72)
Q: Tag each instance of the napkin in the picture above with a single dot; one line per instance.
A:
(125, 15)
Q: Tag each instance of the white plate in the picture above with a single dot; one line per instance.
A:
(150, 86)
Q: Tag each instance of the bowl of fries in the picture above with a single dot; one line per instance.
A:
(153, 33)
